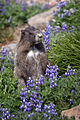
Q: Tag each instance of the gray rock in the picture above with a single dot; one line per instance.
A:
(75, 111)
(40, 20)
(11, 49)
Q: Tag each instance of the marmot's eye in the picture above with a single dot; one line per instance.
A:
(31, 33)
(23, 32)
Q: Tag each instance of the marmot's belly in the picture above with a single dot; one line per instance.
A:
(33, 59)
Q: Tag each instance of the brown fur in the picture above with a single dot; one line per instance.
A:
(25, 66)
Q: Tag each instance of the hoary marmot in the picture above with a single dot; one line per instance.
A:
(31, 59)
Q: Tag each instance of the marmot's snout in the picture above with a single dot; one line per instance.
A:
(40, 35)
(38, 38)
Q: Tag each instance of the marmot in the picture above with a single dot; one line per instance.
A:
(31, 58)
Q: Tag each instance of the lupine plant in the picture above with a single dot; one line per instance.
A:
(68, 12)
(46, 35)
(65, 11)
(8, 86)
(52, 74)
(65, 15)
(32, 99)
(4, 114)
(3, 57)
(69, 71)
(37, 94)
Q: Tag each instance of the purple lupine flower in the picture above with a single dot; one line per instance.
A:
(2, 11)
(31, 99)
(30, 83)
(64, 27)
(46, 35)
(52, 73)
(9, 20)
(23, 6)
(65, 12)
(70, 101)
(70, 71)
(45, 115)
(3, 52)
(45, 6)
(61, 4)
(0, 5)
(37, 88)
(31, 1)
(39, 107)
(29, 116)
(72, 91)
(55, 13)
(49, 110)
(73, 10)
(7, 2)
(72, 29)
(69, 14)
(61, 16)
(34, 100)
(2, 58)
(40, 81)
(5, 114)
(66, 73)
(3, 67)
(13, 116)
(57, 29)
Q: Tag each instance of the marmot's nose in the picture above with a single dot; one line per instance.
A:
(40, 35)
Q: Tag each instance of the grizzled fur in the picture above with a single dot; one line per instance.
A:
(31, 59)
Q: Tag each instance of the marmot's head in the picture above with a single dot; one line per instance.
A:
(32, 34)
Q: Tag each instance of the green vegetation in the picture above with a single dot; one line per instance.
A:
(65, 45)
(8, 85)
(67, 89)
(65, 50)
(64, 91)
(71, 16)
(14, 14)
